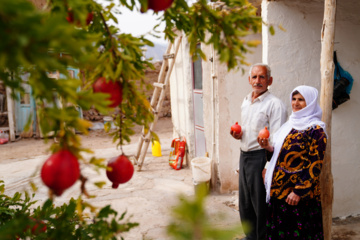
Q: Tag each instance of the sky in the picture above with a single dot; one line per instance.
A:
(137, 23)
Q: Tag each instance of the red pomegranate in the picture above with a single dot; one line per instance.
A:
(236, 128)
(60, 171)
(120, 170)
(89, 18)
(264, 133)
(70, 18)
(110, 87)
(159, 5)
(39, 226)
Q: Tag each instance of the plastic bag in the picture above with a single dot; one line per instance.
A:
(177, 153)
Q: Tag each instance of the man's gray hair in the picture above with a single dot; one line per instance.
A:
(268, 70)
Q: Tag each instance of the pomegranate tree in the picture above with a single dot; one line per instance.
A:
(120, 170)
(109, 87)
(159, 5)
(236, 128)
(264, 133)
(60, 171)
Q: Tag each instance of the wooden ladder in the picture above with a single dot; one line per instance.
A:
(157, 101)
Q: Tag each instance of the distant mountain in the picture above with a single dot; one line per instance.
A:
(156, 52)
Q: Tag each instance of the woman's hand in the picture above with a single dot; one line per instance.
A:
(292, 199)
(264, 143)
(235, 135)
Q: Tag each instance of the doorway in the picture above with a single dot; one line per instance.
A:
(200, 145)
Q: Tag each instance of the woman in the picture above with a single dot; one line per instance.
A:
(292, 178)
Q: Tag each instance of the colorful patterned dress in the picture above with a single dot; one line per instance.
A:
(297, 169)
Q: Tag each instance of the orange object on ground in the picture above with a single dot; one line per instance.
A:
(177, 153)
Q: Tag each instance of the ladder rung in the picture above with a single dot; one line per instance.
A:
(168, 56)
(159, 85)
(154, 111)
(133, 158)
(146, 139)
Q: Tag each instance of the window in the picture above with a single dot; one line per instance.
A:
(197, 71)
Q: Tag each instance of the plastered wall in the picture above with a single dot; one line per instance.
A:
(229, 88)
(181, 86)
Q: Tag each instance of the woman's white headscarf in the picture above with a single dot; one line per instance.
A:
(300, 120)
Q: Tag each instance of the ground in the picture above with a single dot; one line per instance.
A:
(152, 192)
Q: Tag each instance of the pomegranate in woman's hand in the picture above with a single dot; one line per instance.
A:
(60, 171)
(110, 87)
(236, 128)
(159, 5)
(120, 170)
(264, 133)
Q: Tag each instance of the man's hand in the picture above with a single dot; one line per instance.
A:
(292, 199)
(235, 135)
(264, 143)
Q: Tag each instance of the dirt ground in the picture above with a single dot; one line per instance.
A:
(19, 151)
(96, 139)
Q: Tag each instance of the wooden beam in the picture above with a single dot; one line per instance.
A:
(326, 95)
(11, 114)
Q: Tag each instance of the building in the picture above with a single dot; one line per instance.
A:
(206, 98)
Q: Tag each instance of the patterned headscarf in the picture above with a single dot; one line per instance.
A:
(301, 120)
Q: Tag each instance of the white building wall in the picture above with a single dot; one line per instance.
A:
(227, 90)
(230, 88)
(181, 87)
(345, 130)
(294, 56)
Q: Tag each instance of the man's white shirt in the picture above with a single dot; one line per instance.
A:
(266, 111)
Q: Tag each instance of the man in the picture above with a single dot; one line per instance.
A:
(259, 109)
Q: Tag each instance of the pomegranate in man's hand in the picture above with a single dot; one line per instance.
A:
(236, 128)
(264, 133)
(159, 5)
(109, 87)
(60, 171)
(120, 170)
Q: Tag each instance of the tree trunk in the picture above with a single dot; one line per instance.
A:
(326, 95)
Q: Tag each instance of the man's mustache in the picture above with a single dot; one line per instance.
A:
(257, 85)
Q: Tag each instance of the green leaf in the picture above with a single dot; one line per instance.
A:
(272, 30)
(100, 184)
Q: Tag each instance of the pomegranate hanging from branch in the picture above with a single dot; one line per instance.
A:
(60, 171)
(120, 170)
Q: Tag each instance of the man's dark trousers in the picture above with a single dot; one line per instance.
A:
(252, 194)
